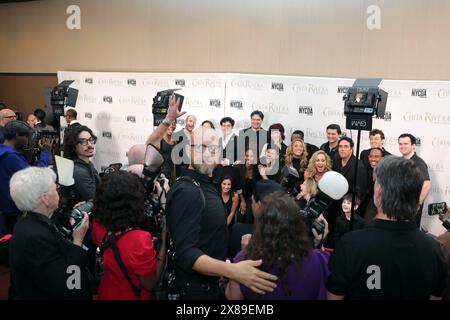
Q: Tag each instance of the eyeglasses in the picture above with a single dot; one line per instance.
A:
(84, 141)
(202, 148)
(10, 117)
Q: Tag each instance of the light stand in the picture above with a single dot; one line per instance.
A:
(363, 101)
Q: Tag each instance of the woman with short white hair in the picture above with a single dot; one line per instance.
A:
(44, 264)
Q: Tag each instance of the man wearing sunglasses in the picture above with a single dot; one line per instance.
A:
(17, 135)
(80, 147)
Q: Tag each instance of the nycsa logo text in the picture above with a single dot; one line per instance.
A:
(422, 93)
(214, 103)
(342, 89)
(305, 110)
(277, 86)
(236, 104)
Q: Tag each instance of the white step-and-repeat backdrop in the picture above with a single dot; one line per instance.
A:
(117, 107)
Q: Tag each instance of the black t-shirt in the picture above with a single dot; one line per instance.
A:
(422, 166)
(332, 152)
(196, 230)
(387, 260)
(343, 226)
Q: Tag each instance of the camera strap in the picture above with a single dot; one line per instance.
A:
(111, 242)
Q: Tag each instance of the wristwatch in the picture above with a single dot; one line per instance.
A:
(166, 122)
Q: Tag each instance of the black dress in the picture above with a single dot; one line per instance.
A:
(228, 205)
(168, 166)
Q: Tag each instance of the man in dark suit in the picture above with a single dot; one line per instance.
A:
(71, 119)
(254, 137)
(40, 123)
(228, 148)
(72, 122)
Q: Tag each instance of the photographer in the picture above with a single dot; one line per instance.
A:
(118, 215)
(280, 239)
(197, 223)
(444, 239)
(44, 264)
(17, 136)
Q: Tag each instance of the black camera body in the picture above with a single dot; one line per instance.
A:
(160, 105)
(290, 180)
(315, 207)
(77, 213)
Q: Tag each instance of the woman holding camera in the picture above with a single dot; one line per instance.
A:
(44, 263)
(280, 239)
(132, 266)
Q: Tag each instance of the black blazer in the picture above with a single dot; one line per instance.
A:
(40, 259)
(349, 173)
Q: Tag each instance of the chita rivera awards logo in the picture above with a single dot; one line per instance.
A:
(427, 117)
(309, 88)
(270, 107)
(247, 84)
(440, 142)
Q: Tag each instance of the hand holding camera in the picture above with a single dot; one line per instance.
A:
(46, 143)
(319, 237)
(174, 108)
(80, 230)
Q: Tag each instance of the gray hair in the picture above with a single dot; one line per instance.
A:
(27, 186)
(401, 183)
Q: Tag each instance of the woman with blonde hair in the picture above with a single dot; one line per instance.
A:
(296, 156)
(319, 163)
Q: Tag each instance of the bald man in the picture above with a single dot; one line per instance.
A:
(136, 156)
(6, 115)
(196, 219)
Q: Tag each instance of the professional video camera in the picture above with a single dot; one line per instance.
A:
(160, 105)
(332, 186)
(33, 151)
(62, 96)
